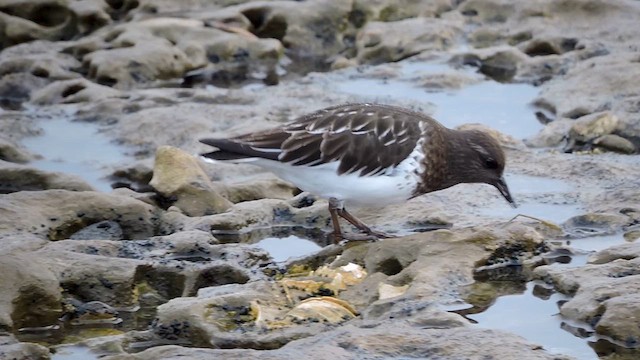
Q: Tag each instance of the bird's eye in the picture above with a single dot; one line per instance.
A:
(491, 163)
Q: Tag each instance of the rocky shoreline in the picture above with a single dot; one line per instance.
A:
(166, 264)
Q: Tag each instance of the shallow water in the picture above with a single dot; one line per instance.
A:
(534, 312)
(583, 247)
(73, 352)
(540, 197)
(504, 107)
(76, 148)
(288, 247)
(535, 319)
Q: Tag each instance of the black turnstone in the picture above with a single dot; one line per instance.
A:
(369, 154)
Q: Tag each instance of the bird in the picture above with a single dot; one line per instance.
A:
(368, 154)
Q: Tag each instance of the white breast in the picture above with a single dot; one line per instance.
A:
(393, 186)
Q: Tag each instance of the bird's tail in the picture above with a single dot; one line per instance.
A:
(234, 150)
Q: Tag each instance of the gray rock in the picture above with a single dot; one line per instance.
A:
(582, 91)
(632, 235)
(142, 52)
(393, 341)
(56, 214)
(16, 177)
(106, 230)
(615, 143)
(255, 314)
(270, 188)
(580, 53)
(604, 292)
(552, 135)
(177, 175)
(502, 66)
(10, 348)
(72, 91)
(52, 20)
(389, 10)
(596, 223)
(380, 42)
(30, 294)
(164, 267)
(12, 152)
(588, 127)
(91, 277)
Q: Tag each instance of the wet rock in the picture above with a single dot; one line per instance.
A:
(30, 295)
(137, 55)
(604, 295)
(421, 262)
(54, 20)
(626, 196)
(89, 313)
(135, 177)
(56, 214)
(26, 68)
(490, 11)
(595, 224)
(177, 175)
(72, 91)
(388, 10)
(500, 63)
(380, 42)
(106, 230)
(15, 177)
(552, 135)
(548, 46)
(43, 59)
(212, 316)
(21, 243)
(615, 143)
(587, 128)
(27, 22)
(395, 341)
(617, 252)
(632, 235)
(448, 81)
(272, 188)
(10, 348)
(15, 89)
(167, 48)
(342, 62)
(259, 214)
(165, 267)
(312, 31)
(90, 277)
(502, 66)
(157, 119)
(12, 152)
(581, 92)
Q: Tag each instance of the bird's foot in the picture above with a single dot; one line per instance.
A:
(379, 234)
(370, 236)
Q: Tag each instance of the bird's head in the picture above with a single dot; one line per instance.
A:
(484, 162)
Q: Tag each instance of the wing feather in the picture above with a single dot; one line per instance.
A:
(363, 138)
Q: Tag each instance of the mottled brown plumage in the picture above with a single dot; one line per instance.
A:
(354, 151)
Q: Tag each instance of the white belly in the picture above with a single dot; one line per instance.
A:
(323, 180)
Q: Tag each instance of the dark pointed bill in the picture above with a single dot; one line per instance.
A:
(501, 185)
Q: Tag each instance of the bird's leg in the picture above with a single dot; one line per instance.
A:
(336, 208)
(360, 225)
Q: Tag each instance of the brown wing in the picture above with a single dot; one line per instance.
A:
(361, 137)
